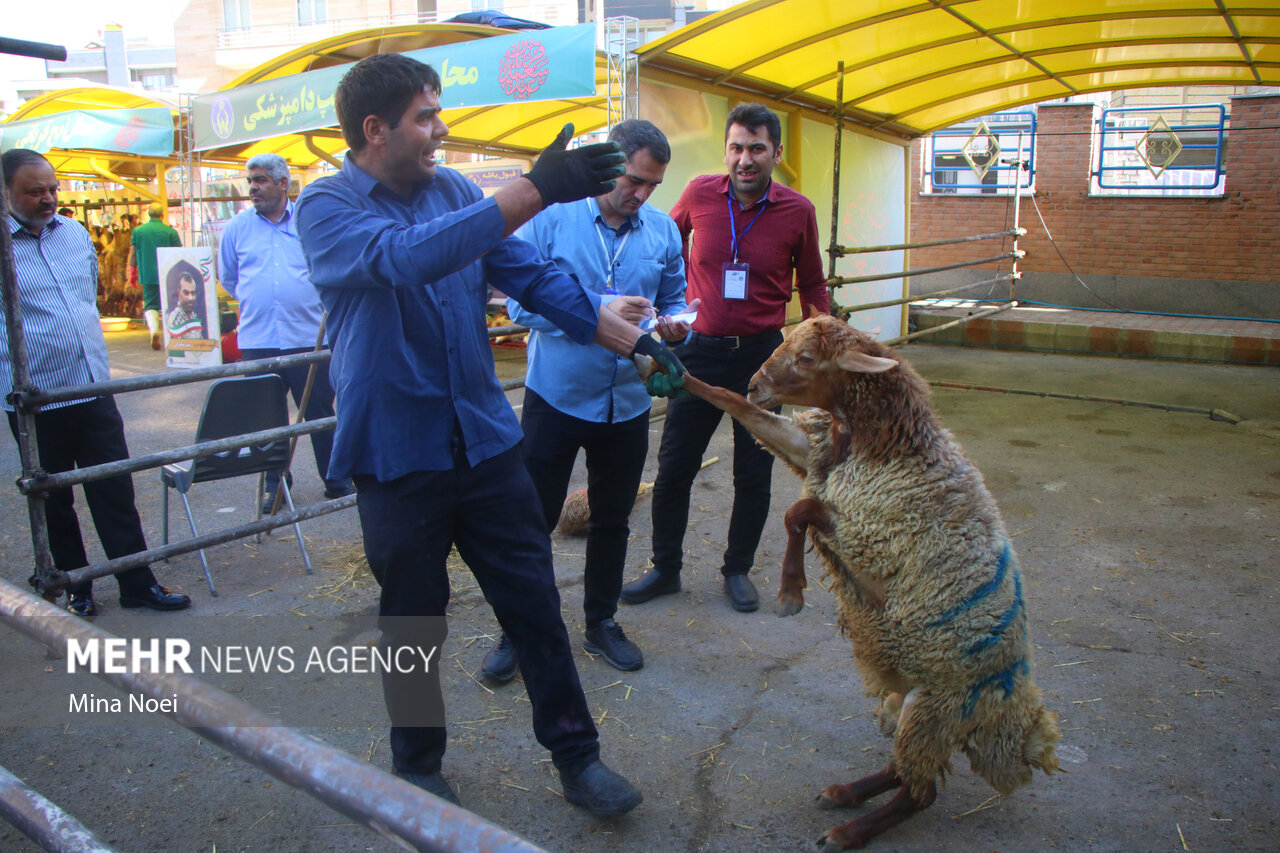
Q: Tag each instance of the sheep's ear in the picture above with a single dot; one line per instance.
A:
(854, 361)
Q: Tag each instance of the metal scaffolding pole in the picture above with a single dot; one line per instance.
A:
(836, 250)
(42, 821)
(906, 300)
(925, 244)
(999, 309)
(622, 37)
(857, 279)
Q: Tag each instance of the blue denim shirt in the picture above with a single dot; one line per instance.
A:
(260, 263)
(588, 381)
(403, 280)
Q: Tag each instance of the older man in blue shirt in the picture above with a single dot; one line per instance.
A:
(401, 250)
(584, 397)
(260, 263)
(57, 273)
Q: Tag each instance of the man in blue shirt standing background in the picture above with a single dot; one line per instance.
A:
(260, 263)
(400, 251)
(582, 396)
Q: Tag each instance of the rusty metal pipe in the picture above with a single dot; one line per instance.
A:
(858, 250)
(37, 397)
(978, 316)
(204, 540)
(48, 482)
(42, 821)
(888, 302)
(839, 280)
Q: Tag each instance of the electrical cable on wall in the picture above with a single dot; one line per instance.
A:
(1063, 258)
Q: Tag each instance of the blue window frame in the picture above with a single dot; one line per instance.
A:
(1174, 150)
(947, 170)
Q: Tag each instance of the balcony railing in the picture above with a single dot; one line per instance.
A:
(271, 35)
(287, 34)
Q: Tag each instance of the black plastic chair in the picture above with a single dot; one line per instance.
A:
(236, 405)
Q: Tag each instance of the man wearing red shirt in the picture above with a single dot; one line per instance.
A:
(745, 238)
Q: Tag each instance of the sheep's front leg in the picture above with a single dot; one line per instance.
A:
(803, 513)
(779, 435)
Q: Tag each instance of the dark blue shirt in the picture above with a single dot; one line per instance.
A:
(404, 282)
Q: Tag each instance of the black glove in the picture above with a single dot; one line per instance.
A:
(584, 172)
(660, 384)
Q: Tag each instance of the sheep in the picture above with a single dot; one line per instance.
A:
(924, 573)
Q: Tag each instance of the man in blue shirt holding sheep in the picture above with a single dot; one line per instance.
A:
(400, 251)
(582, 396)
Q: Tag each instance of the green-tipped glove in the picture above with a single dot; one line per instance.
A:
(660, 384)
(562, 175)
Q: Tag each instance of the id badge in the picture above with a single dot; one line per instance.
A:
(735, 280)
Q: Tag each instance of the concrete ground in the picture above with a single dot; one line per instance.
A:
(1148, 542)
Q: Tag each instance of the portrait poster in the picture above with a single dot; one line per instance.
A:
(189, 307)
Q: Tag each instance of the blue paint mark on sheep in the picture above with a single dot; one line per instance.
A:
(1006, 620)
(980, 593)
(1004, 679)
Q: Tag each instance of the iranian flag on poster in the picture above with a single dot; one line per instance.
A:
(189, 307)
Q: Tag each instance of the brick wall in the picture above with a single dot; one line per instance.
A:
(1184, 255)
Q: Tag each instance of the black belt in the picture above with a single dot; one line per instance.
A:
(730, 341)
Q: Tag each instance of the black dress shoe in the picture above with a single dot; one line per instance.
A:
(608, 641)
(652, 585)
(81, 604)
(600, 791)
(432, 783)
(156, 597)
(500, 664)
(742, 593)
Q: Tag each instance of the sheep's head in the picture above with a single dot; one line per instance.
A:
(814, 365)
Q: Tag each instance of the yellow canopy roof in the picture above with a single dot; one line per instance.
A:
(520, 130)
(92, 164)
(913, 66)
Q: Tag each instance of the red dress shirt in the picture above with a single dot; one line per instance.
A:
(783, 239)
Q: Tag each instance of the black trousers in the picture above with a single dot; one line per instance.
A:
(615, 463)
(690, 424)
(319, 405)
(77, 436)
(491, 513)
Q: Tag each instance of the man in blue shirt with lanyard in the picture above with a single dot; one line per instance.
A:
(260, 263)
(581, 396)
(57, 273)
(400, 251)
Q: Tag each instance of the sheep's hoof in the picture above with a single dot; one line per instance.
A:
(789, 606)
(825, 844)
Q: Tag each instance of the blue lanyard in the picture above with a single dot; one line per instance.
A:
(733, 228)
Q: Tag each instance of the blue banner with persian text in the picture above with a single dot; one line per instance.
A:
(536, 65)
(145, 132)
